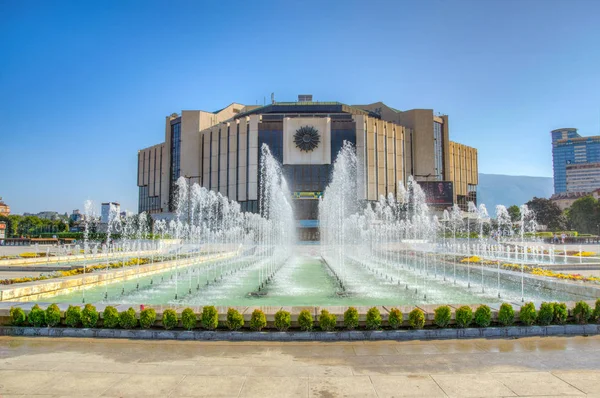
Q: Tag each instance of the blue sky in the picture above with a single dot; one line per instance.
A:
(84, 85)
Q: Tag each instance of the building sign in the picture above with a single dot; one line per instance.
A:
(308, 195)
(438, 192)
(2, 230)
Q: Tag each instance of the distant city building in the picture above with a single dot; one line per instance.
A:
(564, 200)
(127, 213)
(105, 211)
(569, 148)
(221, 151)
(76, 216)
(583, 177)
(4, 208)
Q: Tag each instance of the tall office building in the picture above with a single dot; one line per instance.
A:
(221, 151)
(569, 149)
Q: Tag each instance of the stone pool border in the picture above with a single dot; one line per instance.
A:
(354, 335)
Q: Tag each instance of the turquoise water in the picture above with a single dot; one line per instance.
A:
(304, 279)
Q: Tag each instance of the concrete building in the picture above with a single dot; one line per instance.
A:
(583, 177)
(105, 211)
(4, 208)
(564, 200)
(569, 148)
(221, 151)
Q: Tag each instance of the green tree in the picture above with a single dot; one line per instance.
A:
(15, 219)
(583, 215)
(547, 213)
(514, 212)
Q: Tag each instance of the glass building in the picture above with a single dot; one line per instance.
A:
(569, 148)
(221, 151)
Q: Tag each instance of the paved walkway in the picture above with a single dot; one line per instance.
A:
(46, 367)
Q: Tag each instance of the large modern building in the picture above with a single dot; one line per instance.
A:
(221, 151)
(570, 149)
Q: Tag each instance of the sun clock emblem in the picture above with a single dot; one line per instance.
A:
(306, 138)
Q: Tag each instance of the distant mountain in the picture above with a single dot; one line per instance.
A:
(496, 189)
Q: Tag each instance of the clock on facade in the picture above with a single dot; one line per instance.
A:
(306, 138)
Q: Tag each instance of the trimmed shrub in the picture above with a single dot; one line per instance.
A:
(373, 321)
(37, 316)
(506, 314)
(147, 318)
(442, 316)
(464, 316)
(110, 317)
(18, 316)
(483, 316)
(582, 312)
(561, 313)
(127, 319)
(188, 319)
(169, 319)
(258, 320)
(305, 320)
(527, 314)
(283, 320)
(89, 316)
(597, 311)
(210, 317)
(73, 316)
(327, 321)
(396, 318)
(416, 319)
(546, 314)
(351, 318)
(52, 315)
(235, 320)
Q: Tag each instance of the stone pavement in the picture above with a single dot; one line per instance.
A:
(70, 367)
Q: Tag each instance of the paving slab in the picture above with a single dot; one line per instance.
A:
(536, 383)
(586, 381)
(472, 385)
(145, 385)
(209, 386)
(283, 387)
(414, 385)
(357, 386)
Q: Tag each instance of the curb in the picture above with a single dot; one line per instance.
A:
(398, 335)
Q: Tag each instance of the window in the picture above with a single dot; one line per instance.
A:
(438, 147)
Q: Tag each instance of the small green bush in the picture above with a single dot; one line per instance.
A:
(582, 312)
(283, 320)
(528, 315)
(258, 320)
(546, 314)
(127, 319)
(89, 316)
(327, 321)
(110, 317)
(597, 311)
(147, 318)
(351, 318)
(416, 319)
(18, 316)
(483, 316)
(305, 320)
(210, 317)
(235, 320)
(373, 321)
(442, 316)
(52, 315)
(188, 319)
(37, 317)
(506, 314)
(464, 316)
(561, 313)
(396, 318)
(73, 316)
(169, 319)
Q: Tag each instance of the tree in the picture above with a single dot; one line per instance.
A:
(515, 213)
(547, 213)
(584, 215)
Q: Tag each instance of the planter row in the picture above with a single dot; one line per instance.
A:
(221, 335)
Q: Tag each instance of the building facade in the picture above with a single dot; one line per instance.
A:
(569, 148)
(4, 208)
(105, 211)
(583, 177)
(221, 151)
